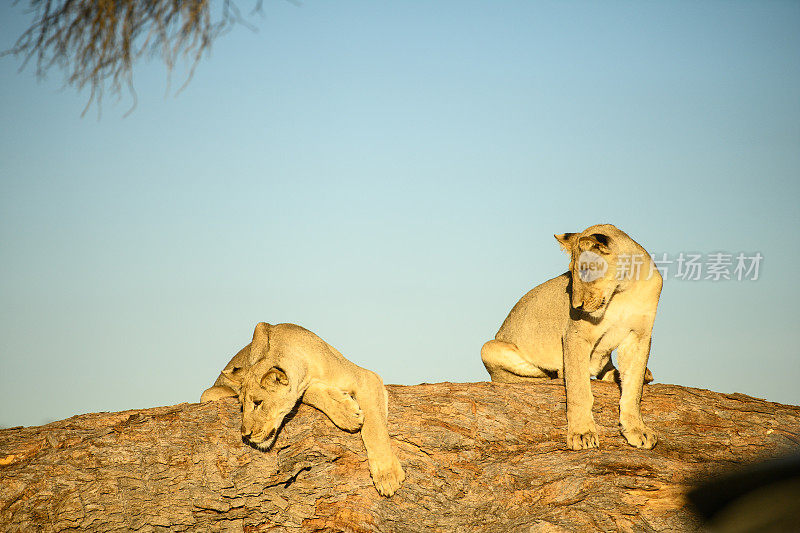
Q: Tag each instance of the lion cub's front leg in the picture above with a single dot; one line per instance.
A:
(581, 429)
(632, 356)
(384, 467)
(337, 404)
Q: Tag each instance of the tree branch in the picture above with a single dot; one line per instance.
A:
(96, 42)
(478, 457)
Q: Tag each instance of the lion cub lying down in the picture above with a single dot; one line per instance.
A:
(569, 326)
(285, 364)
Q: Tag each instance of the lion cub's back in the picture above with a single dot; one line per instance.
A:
(538, 320)
(311, 347)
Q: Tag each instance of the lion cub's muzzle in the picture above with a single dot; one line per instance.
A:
(260, 439)
(590, 305)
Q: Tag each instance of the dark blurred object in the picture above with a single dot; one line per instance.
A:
(764, 497)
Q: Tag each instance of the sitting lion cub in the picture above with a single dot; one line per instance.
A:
(285, 364)
(570, 325)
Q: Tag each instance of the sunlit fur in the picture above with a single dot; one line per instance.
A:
(286, 363)
(569, 326)
(267, 397)
(591, 297)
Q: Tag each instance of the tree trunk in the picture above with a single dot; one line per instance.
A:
(478, 457)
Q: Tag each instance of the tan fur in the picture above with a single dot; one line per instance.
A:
(569, 327)
(286, 363)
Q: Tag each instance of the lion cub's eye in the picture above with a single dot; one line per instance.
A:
(256, 403)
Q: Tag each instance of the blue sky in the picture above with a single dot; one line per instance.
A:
(390, 175)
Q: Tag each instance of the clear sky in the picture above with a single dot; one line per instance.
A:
(390, 175)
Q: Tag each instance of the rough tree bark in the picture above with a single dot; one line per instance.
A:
(478, 457)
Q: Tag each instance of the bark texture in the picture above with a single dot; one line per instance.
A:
(478, 457)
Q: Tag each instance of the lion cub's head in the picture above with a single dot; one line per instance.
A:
(267, 396)
(594, 257)
(268, 392)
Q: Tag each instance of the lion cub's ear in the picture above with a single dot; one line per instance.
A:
(567, 241)
(596, 242)
(274, 376)
(259, 346)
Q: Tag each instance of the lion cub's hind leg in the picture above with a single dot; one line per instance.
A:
(337, 404)
(217, 392)
(505, 364)
(610, 373)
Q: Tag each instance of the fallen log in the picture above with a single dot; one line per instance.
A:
(478, 457)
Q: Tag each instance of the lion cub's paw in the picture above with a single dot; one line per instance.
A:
(582, 439)
(346, 413)
(640, 437)
(352, 421)
(387, 475)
